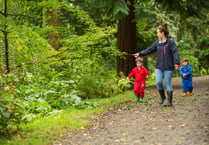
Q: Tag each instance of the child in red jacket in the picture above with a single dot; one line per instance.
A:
(140, 73)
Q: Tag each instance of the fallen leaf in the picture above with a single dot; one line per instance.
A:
(82, 127)
(137, 141)
(178, 142)
(183, 125)
(123, 139)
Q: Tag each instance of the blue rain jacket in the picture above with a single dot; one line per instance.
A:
(187, 80)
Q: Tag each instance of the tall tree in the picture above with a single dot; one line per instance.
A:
(127, 27)
(54, 22)
(5, 32)
(126, 40)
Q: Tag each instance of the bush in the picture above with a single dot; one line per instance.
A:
(11, 107)
(94, 86)
(123, 84)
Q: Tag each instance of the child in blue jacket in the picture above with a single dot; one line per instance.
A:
(186, 73)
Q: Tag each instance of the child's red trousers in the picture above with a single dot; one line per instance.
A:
(139, 82)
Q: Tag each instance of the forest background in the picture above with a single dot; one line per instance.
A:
(56, 54)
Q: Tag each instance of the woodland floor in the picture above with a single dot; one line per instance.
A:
(148, 123)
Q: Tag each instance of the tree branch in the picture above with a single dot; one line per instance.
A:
(15, 15)
(2, 13)
(2, 31)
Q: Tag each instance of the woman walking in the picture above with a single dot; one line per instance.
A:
(167, 61)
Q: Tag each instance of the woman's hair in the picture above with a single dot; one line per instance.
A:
(164, 28)
(139, 59)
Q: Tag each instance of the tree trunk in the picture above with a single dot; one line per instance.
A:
(54, 21)
(126, 41)
(44, 20)
(6, 39)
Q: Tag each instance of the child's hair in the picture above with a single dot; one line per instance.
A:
(185, 59)
(139, 59)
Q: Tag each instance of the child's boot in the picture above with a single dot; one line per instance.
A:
(184, 94)
(162, 96)
(137, 99)
(141, 100)
(190, 93)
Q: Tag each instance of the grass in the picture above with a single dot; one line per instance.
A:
(49, 131)
(150, 82)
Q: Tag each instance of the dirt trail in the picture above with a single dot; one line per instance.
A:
(186, 123)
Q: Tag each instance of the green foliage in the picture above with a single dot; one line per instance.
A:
(187, 50)
(27, 46)
(48, 130)
(43, 81)
(118, 7)
(203, 55)
(186, 7)
(87, 55)
(96, 86)
(124, 84)
(11, 107)
(41, 98)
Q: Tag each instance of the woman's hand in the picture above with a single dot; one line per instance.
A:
(136, 54)
(177, 66)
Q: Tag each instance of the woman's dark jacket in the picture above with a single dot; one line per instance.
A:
(167, 54)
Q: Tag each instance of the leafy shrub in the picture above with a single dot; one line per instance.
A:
(11, 107)
(41, 96)
(123, 84)
(97, 86)
(93, 86)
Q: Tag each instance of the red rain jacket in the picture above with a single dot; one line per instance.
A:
(140, 76)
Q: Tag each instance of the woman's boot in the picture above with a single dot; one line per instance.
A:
(170, 97)
(162, 96)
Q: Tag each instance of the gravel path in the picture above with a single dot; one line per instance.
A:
(186, 123)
